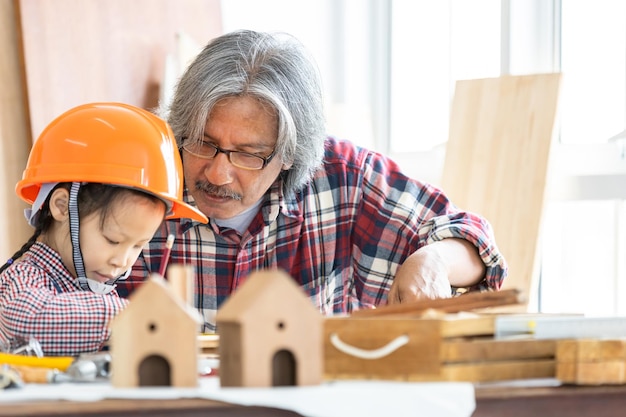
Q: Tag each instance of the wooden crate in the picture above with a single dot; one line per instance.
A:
(439, 349)
(591, 361)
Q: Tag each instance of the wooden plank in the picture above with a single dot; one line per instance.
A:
(458, 326)
(591, 350)
(592, 373)
(14, 133)
(496, 162)
(488, 349)
(119, 54)
(427, 355)
(483, 372)
(465, 302)
(499, 371)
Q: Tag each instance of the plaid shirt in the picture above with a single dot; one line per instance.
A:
(40, 299)
(341, 238)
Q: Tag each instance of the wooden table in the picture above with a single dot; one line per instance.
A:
(587, 401)
(571, 401)
(187, 407)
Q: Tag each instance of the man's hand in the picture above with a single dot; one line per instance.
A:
(430, 271)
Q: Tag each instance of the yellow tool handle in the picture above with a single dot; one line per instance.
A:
(53, 362)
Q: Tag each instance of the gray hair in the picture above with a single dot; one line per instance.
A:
(274, 68)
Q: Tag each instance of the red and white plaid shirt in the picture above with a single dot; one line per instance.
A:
(341, 238)
(40, 299)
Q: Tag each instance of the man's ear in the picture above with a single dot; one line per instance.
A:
(59, 204)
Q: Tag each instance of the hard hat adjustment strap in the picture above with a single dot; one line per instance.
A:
(75, 237)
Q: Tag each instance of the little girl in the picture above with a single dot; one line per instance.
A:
(101, 178)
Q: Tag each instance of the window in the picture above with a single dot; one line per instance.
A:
(584, 225)
(386, 62)
(593, 54)
(435, 43)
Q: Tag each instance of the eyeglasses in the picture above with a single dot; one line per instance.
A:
(239, 159)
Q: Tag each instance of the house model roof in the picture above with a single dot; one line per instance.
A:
(154, 298)
(263, 295)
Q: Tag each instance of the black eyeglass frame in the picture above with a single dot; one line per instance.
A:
(266, 159)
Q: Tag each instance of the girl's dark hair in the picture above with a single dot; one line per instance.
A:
(92, 198)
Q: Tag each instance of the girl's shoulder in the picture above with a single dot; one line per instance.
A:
(39, 266)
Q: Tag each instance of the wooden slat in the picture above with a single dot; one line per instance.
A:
(499, 371)
(488, 349)
(460, 326)
(591, 350)
(592, 373)
(465, 302)
(14, 134)
(483, 372)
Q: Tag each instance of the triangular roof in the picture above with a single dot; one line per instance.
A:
(154, 298)
(272, 291)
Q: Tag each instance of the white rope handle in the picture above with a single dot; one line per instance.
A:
(392, 346)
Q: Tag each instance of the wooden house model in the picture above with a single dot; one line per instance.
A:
(154, 341)
(270, 334)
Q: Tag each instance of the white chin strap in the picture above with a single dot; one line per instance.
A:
(102, 287)
(95, 286)
(85, 283)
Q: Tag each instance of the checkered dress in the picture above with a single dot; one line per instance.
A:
(40, 299)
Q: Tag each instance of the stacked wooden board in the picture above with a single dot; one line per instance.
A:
(452, 348)
(460, 339)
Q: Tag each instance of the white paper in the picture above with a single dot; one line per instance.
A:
(330, 399)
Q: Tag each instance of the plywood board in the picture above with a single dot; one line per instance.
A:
(497, 161)
(14, 134)
(78, 51)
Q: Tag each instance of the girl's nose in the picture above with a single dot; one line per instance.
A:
(121, 260)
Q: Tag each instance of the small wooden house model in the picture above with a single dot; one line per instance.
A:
(154, 341)
(270, 334)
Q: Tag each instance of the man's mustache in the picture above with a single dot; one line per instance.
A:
(217, 191)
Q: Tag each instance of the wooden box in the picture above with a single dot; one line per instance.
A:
(591, 361)
(453, 348)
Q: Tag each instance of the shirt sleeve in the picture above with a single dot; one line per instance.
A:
(398, 215)
(64, 323)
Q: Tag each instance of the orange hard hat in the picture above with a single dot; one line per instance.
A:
(109, 143)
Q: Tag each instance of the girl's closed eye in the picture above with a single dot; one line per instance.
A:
(111, 241)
